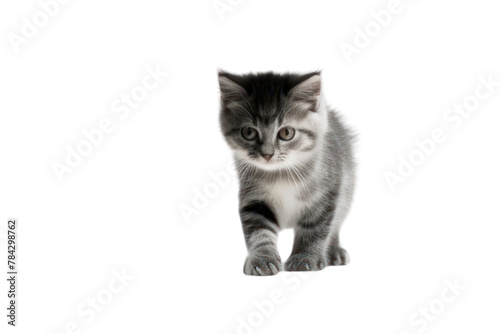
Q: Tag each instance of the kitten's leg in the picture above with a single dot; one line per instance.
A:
(336, 255)
(260, 228)
(309, 246)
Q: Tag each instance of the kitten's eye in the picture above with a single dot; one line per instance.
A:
(286, 133)
(249, 133)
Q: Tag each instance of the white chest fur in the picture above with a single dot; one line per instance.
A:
(284, 199)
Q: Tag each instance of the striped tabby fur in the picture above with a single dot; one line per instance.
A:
(305, 183)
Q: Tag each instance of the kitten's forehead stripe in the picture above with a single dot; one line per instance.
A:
(267, 92)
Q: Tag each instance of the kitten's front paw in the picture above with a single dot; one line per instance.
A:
(338, 257)
(262, 265)
(305, 262)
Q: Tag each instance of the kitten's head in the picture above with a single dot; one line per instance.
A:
(272, 120)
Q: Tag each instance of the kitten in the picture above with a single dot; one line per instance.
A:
(295, 167)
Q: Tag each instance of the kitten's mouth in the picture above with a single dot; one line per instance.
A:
(268, 161)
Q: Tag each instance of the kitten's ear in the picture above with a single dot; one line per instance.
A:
(308, 90)
(229, 89)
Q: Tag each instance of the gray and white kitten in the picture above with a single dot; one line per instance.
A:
(295, 166)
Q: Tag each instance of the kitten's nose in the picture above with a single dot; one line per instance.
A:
(267, 156)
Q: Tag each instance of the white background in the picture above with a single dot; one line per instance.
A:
(121, 207)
